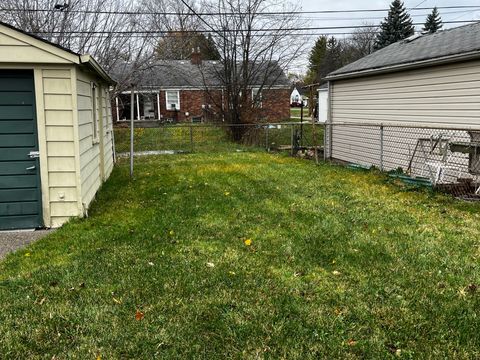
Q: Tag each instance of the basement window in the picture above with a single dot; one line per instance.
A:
(172, 100)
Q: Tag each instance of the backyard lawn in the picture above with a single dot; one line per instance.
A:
(249, 256)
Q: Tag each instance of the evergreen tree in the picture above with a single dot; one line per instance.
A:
(317, 55)
(433, 22)
(398, 25)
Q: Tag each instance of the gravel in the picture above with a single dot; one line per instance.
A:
(13, 240)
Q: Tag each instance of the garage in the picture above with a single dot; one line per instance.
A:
(56, 141)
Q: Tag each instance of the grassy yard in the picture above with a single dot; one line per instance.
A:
(249, 255)
(295, 112)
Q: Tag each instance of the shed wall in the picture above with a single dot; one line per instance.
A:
(59, 136)
(96, 159)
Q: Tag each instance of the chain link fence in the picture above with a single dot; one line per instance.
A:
(445, 158)
(180, 138)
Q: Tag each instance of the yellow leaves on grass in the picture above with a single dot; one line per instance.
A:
(248, 242)
(27, 254)
(226, 193)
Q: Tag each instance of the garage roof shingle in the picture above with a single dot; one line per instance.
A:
(456, 41)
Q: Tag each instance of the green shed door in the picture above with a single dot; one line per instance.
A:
(20, 194)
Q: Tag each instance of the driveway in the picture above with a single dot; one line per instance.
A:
(13, 240)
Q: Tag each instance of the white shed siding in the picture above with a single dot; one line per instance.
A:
(59, 135)
(107, 123)
(96, 157)
(443, 96)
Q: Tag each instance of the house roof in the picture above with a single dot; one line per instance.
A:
(183, 74)
(420, 50)
(84, 60)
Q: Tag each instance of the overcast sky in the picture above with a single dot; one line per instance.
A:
(349, 19)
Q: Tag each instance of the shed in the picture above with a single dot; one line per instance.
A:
(420, 87)
(56, 141)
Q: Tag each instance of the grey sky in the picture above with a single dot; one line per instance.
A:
(349, 19)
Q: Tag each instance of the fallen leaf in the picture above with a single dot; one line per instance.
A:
(151, 263)
(139, 315)
(27, 254)
(210, 264)
(351, 342)
(231, 272)
(117, 301)
(336, 273)
(41, 301)
(227, 193)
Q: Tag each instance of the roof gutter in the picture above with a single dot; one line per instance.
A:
(90, 62)
(408, 66)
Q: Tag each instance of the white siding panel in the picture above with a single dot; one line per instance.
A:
(90, 152)
(58, 107)
(58, 117)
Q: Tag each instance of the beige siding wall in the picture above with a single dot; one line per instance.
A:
(443, 96)
(107, 123)
(96, 162)
(60, 144)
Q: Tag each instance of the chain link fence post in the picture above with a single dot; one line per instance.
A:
(381, 147)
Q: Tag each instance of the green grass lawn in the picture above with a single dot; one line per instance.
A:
(297, 111)
(342, 264)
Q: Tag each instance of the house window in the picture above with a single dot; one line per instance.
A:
(257, 98)
(95, 119)
(173, 100)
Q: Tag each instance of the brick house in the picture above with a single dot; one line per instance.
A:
(192, 91)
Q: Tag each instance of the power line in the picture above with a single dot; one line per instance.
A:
(167, 13)
(237, 30)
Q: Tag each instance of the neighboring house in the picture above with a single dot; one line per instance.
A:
(55, 131)
(190, 91)
(425, 81)
(297, 96)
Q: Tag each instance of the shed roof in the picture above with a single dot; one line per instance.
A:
(453, 44)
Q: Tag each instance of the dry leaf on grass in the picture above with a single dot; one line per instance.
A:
(139, 315)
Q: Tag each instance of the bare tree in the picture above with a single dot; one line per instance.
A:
(363, 41)
(102, 28)
(254, 49)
